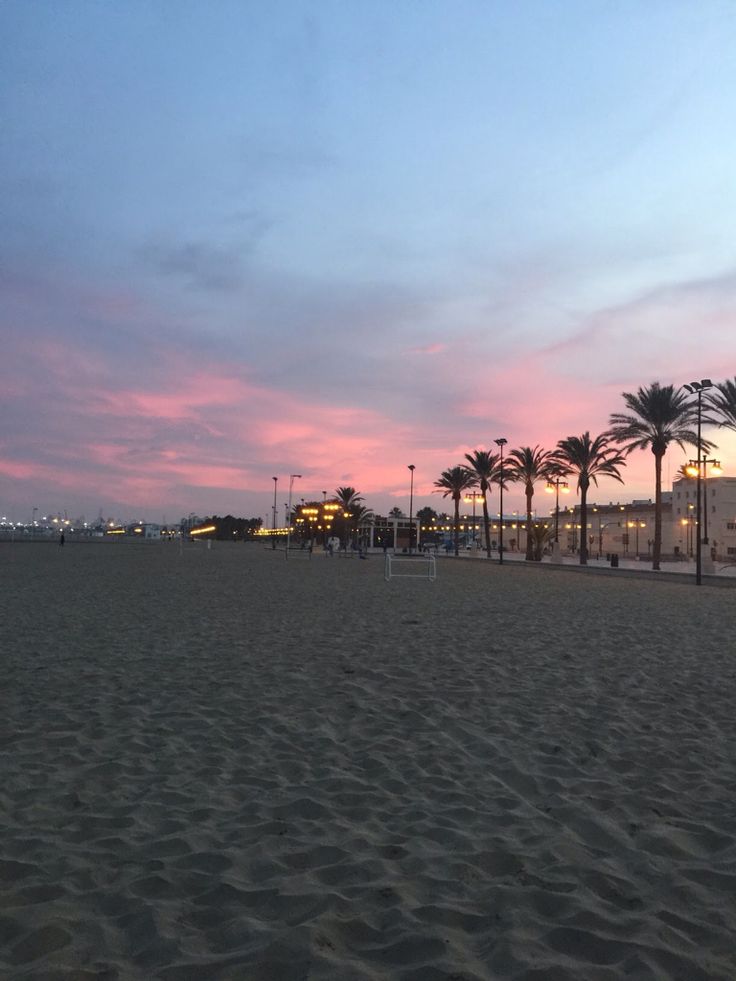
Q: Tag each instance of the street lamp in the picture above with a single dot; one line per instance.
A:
(473, 499)
(501, 442)
(292, 478)
(690, 526)
(638, 523)
(692, 470)
(697, 388)
(601, 528)
(555, 486)
(275, 487)
(411, 506)
(687, 524)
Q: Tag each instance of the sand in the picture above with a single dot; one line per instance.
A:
(217, 764)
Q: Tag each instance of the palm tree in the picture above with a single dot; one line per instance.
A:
(658, 415)
(527, 465)
(453, 483)
(588, 459)
(541, 535)
(723, 400)
(484, 470)
(362, 516)
(348, 497)
(349, 500)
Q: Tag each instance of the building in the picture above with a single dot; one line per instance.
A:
(718, 515)
(626, 530)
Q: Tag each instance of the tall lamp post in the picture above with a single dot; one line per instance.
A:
(473, 499)
(275, 487)
(692, 469)
(637, 525)
(697, 388)
(554, 486)
(292, 478)
(411, 506)
(501, 442)
(601, 528)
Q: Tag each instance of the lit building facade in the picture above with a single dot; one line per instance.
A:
(718, 515)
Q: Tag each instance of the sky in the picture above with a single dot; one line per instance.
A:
(245, 240)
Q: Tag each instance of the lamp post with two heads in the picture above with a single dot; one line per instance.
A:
(554, 486)
(501, 441)
(697, 388)
(411, 506)
(275, 487)
(292, 478)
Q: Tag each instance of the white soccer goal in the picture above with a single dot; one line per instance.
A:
(421, 566)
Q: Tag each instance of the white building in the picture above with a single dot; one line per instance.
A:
(718, 515)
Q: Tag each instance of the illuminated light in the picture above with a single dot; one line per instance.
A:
(116, 531)
(716, 469)
(203, 531)
(691, 471)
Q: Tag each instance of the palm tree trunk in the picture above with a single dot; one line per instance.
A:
(657, 549)
(457, 526)
(583, 525)
(529, 542)
(486, 525)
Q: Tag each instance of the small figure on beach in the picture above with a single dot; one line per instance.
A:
(61, 539)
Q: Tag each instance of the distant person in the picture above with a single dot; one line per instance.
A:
(61, 539)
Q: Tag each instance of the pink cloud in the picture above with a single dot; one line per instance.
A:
(429, 349)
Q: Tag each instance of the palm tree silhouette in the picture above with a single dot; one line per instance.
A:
(723, 400)
(527, 465)
(588, 459)
(658, 415)
(350, 501)
(484, 470)
(453, 483)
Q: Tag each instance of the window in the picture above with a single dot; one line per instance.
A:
(731, 525)
(730, 551)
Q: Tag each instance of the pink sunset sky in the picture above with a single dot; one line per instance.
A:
(301, 247)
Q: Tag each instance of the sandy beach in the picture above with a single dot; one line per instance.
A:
(217, 765)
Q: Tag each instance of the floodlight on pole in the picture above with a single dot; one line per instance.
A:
(411, 505)
(273, 536)
(292, 478)
(555, 486)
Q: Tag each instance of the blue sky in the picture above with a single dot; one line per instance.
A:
(332, 238)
